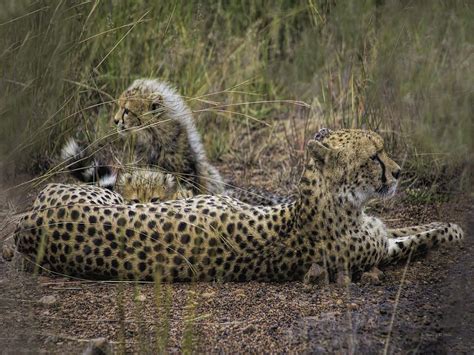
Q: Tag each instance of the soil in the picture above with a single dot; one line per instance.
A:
(422, 306)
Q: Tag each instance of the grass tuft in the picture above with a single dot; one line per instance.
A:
(404, 69)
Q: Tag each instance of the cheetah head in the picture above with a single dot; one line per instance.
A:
(354, 164)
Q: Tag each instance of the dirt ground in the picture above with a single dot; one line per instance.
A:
(425, 307)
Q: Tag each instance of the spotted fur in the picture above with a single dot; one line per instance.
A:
(221, 238)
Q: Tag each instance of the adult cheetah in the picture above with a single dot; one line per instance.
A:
(93, 235)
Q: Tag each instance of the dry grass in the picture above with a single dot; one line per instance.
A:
(403, 69)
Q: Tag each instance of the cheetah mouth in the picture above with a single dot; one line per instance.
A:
(123, 130)
(386, 190)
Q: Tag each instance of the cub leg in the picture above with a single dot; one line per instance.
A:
(401, 247)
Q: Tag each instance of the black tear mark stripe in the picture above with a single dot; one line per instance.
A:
(384, 178)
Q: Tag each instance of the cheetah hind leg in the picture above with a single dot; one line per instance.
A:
(402, 247)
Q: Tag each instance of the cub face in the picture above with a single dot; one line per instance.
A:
(137, 109)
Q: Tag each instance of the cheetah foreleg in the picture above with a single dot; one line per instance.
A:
(402, 247)
(414, 230)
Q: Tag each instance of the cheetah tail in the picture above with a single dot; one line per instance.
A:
(402, 247)
(85, 167)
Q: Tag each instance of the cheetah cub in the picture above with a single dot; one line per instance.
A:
(90, 234)
(158, 125)
(166, 147)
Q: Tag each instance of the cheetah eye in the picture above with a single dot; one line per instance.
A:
(155, 106)
(374, 157)
(126, 111)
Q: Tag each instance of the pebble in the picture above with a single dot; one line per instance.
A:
(239, 294)
(48, 300)
(140, 298)
(249, 329)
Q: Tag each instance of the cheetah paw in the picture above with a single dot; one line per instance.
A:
(316, 275)
(7, 253)
(372, 277)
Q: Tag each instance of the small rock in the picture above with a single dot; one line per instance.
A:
(385, 308)
(208, 294)
(7, 253)
(339, 302)
(140, 298)
(48, 300)
(98, 346)
(248, 329)
(239, 294)
(316, 275)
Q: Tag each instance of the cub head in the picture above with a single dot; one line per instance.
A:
(141, 106)
(354, 164)
(143, 186)
(151, 105)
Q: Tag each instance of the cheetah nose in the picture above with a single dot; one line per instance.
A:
(396, 174)
(116, 121)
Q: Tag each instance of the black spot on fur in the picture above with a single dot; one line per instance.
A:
(75, 214)
(181, 226)
(121, 222)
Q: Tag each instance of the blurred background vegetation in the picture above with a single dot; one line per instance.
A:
(403, 68)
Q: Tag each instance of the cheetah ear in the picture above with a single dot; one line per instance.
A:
(318, 151)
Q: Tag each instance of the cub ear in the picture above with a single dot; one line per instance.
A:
(322, 133)
(318, 151)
